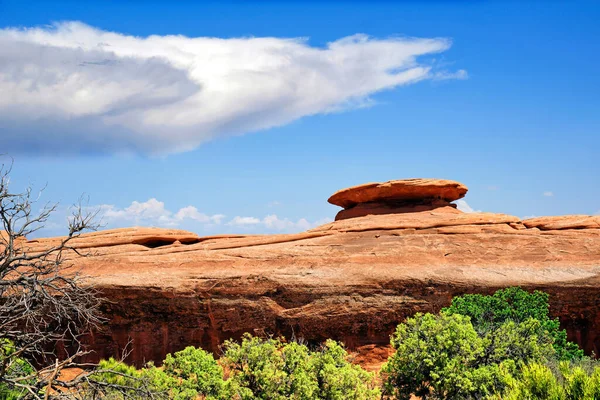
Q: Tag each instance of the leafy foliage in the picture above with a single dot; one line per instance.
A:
(444, 357)
(13, 368)
(434, 356)
(540, 382)
(514, 304)
(272, 369)
(185, 375)
(256, 369)
(498, 346)
(536, 382)
(196, 373)
(517, 342)
(339, 379)
(119, 372)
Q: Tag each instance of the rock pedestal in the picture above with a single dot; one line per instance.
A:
(397, 197)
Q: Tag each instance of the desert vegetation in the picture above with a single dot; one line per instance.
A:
(486, 347)
(502, 346)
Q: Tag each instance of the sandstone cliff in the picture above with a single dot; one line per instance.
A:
(397, 248)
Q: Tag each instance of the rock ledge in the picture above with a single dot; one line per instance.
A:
(397, 196)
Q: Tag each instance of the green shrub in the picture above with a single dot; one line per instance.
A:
(517, 342)
(272, 369)
(593, 389)
(338, 379)
(122, 381)
(536, 382)
(444, 357)
(256, 369)
(576, 382)
(186, 375)
(540, 382)
(13, 367)
(120, 373)
(514, 304)
(434, 357)
(196, 373)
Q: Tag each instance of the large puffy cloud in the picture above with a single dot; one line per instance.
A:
(73, 88)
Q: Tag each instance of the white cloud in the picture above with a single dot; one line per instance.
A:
(191, 212)
(153, 212)
(465, 207)
(244, 221)
(74, 88)
(274, 223)
(548, 194)
(445, 75)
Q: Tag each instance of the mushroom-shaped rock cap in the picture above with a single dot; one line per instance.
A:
(399, 190)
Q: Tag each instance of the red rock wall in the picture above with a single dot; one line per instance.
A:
(352, 280)
(154, 323)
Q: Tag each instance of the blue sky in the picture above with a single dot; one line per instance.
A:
(500, 95)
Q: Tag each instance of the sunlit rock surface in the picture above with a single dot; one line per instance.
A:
(353, 279)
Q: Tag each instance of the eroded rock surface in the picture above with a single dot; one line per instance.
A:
(353, 280)
(564, 222)
(397, 197)
(399, 190)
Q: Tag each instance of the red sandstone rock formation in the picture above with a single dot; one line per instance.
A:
(353, 280)
(405, 189)
(394, 197)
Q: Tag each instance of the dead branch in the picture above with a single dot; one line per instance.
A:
(44, 301)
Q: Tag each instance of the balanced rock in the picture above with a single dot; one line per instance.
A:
(398, 196)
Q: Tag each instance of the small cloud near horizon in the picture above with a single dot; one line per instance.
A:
(274, 223)
(243, 221)
(548, 194)
(70, 88)
(154, 213)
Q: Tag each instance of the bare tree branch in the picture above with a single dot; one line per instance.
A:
(44, 301)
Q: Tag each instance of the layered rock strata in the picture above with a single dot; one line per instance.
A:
(353, 279)
(396, 197)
